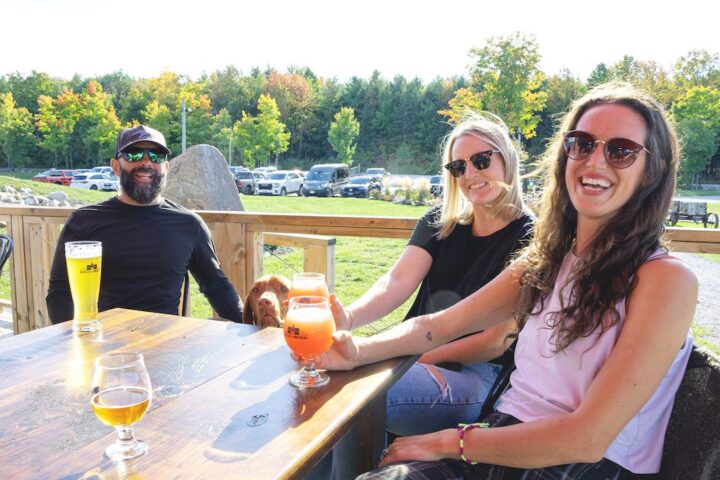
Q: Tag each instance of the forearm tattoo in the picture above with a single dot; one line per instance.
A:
(428, 335)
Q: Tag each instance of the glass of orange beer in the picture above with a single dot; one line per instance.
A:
(309, 326)
(309, 283)
(121, 395)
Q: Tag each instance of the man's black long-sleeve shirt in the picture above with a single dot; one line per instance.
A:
(146, 252)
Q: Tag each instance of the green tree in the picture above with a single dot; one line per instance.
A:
(16, 132)
(697, 114)
(343, 133)
(296, 101)
(648, 76)
(600, 74)
(222, 133)
(26, 90)
(257, 138)
(506, 73)
(698, 68)
(159, 117)
(561, 90)
(699, 145)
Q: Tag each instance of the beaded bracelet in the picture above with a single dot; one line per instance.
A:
(462, 427)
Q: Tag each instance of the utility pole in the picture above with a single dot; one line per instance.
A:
(183, 126)
(230, 151)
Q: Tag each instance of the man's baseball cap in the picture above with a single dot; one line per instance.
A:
(140, 133)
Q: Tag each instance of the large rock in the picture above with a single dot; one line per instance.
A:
(200, 179)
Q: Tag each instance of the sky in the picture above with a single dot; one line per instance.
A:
(339, 38)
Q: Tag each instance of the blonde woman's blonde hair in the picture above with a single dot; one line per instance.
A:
(456, 208)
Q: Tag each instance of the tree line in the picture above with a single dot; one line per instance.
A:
(297, 118)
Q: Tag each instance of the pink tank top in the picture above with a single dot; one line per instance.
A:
(546, 384)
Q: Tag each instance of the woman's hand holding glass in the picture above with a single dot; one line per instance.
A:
(308, 332)
(340, 314)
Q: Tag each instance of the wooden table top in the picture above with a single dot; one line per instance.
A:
(238, 417)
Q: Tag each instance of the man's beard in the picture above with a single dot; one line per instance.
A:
(144, 193)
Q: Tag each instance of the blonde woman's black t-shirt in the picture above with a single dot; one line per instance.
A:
(462, 263)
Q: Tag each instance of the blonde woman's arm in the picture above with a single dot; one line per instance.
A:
(389, 291)
(489, 306)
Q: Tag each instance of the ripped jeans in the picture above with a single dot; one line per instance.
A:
(429, 398)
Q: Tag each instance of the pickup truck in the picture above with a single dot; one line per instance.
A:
(59, 177)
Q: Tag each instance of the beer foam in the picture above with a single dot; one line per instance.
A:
(83, 249)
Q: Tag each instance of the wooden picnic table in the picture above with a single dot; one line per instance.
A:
(237, 416)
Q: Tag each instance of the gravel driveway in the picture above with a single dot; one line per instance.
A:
(708, 309)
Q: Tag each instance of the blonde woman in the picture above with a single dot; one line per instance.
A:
(455, 249)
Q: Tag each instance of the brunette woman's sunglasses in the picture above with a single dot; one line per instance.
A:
(480, 160)
(137, 154)
(619, 152)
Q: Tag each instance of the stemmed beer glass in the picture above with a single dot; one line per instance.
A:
(309, 283)
(309, 326)
(121, 396)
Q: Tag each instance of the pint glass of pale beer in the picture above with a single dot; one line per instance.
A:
(84, 263)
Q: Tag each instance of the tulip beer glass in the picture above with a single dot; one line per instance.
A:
(307, 283)
(84, 264)
(309, 326)
(121, 396)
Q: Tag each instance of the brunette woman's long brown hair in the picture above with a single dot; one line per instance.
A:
(604, 275)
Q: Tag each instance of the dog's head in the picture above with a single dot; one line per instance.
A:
(266, 303)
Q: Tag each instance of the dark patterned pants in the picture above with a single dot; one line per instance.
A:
(458, 470)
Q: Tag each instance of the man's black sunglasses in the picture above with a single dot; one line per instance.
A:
(133, 155)
(480, 160)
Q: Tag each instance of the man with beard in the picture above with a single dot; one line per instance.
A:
(149, 243)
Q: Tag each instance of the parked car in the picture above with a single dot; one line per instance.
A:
(265, 170)
(360, 187)
(106, 170)
(245, 181)
(59, 177)
(95, 181)
(258, 176)
(326, 180)
(282, 182)
(377, 172)
(436, 185)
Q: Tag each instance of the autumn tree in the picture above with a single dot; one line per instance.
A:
(506, 73)
(342, 134)
(55, 120)
(463, 104)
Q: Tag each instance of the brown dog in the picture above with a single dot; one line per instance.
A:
(266, 303)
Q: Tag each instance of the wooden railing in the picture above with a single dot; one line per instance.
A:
(238, 237)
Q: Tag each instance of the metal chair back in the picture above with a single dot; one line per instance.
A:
(6, 248)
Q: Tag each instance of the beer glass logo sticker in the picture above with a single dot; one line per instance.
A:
(92, 267)
(257, 420)
(294, 332)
